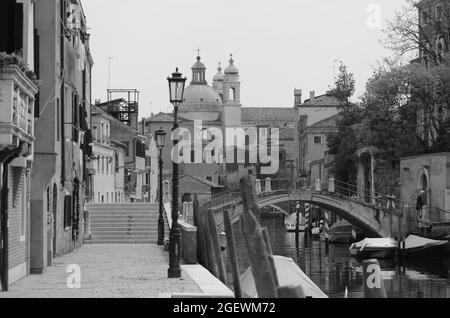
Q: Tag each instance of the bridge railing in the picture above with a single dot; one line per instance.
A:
(348, 191)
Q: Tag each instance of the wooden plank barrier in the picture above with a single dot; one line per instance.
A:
(256, 246)
(232, 255)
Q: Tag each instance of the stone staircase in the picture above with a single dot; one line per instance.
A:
(133, 223)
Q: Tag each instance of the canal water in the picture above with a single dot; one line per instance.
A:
(334, 269)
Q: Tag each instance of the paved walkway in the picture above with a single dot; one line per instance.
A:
(107, 271)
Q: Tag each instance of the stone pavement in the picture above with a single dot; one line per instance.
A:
(107, 271)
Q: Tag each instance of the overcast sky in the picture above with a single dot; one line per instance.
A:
(277, 45)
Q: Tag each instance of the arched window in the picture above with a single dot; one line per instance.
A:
(232, 94)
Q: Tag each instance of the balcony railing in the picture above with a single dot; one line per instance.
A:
(17, 97)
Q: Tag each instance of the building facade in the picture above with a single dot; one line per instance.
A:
(429, 176)
(62, 148)
(18, 90)
(314, 145)
(109, 161)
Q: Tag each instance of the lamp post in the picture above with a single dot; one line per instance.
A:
(160, 142)
(176, 89)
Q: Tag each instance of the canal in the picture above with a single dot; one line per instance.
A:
(334, 269)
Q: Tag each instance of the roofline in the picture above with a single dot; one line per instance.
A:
(136, 132)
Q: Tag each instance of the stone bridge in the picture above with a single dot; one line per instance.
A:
(357, 213)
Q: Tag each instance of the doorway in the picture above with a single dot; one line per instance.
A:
(55, 218)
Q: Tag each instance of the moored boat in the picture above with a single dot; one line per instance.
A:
(291, 223)
(342, 233)
(289, 274)
(374, 248)
(420, 247)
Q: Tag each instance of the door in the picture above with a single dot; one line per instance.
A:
(55, 218)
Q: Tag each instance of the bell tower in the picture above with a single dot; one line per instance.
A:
(232, 96)
(198, 73)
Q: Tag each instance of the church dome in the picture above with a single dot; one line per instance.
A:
(200, 98)
(198, 64)
(231, 69)
(219, 77)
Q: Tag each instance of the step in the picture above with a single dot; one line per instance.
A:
(121, 242)
(122, 227)
(125, 213)
(94, 206)
(122, 221)
(114, 210)
(124, 232)
(125, 237)
(124, 217)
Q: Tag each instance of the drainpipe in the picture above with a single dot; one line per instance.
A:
(6, 157)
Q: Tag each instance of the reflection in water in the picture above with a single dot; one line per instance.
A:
(333, 269)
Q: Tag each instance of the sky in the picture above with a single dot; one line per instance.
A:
(277, 45)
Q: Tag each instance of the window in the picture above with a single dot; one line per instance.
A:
(439, 12)
(58, 120)
(23, 209)
(103, 165)
(424, 17)
(67, 211)
(75, 117)
(232, 94)
(318, 139)
(210, 179)
(48, 199)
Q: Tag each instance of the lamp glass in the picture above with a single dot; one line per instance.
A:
(176, 88)
(160, 138)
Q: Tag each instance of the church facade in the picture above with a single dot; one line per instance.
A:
(219, 106)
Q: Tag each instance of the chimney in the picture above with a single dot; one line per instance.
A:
(312, 95)
(298, 97)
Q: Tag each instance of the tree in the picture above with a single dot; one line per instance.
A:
(343, 143)
(345, 85)
(423, 27)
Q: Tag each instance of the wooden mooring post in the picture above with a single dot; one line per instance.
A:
(270, 256)
(254, 240)
(216, 247)
(201, 238)
(232, 255)
(209, 251)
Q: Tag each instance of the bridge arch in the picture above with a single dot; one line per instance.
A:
(358, 214)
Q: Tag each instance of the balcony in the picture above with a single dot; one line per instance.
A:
(17, 96)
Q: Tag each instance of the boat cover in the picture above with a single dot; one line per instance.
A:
(414, 241)
(288, 274)
(375, 243)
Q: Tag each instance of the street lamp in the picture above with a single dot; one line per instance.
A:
(160, 142)
(176, 89)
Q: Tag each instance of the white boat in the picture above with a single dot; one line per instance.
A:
(289, 274)
(421, 247)
(316, 231)
(374, 248)
(291, 223)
